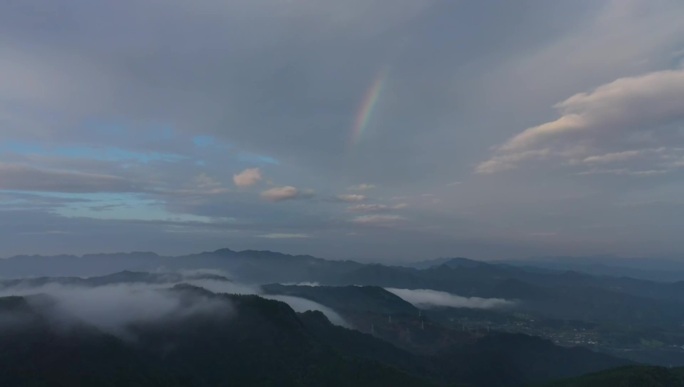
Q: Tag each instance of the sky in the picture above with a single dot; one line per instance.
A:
(376, 130)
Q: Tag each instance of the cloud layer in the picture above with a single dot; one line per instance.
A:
(180, 137)
(426, 298)
(114, 307)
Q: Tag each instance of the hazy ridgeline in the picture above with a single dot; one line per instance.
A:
(374, 321)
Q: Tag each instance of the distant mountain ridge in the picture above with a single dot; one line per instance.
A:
(654, 269)
(557, 294)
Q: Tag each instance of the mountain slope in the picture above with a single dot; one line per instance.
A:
(246, 341)
(633, 376)
(213, 339)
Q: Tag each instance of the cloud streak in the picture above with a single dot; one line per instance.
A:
(351, 198)
(279, 194)
(376, 207)
(302, 305)
(27, 178)
(377, 220)
(427, 299)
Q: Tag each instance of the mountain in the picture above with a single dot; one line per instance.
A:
(249, 265)
(492, 360)
(652, 269)
(348, 299)
(553, 294)
(626, 317)
(632, 376)
(122, 277)
(502, 359)
(257, 342)
(451, 262)
(208, 339)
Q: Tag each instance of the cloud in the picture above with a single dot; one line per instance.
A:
(505, 162)
(279, 194)
(623, 171)
(426, 298)
(377, 219)
(351, 198)
(369, 208)
(361, 187)
(375, 207)
(302, 305)
(595, 127)
(218, 286)
(285, 236)
(205, 184)
(112, 308)
(311, 284)
(296, 303)
(613, 157)
(247, 178)
(25, 178)
(313, 62)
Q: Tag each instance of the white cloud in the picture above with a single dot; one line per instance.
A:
(630, 112)
(613, 157)
(112, 307)
(375, 207)
(278, 194)
(377, 219)
(368, 208)
(624, 171)
(248, 177)
(351, 197)
(301, 305)
(361, 187)
(426, 298)
(504, 162)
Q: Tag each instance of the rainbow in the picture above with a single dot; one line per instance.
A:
(365, 111)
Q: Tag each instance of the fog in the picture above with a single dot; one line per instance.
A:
(113, 307)
(311, 284)
(426, 299)
(297, 303)
(303, 305)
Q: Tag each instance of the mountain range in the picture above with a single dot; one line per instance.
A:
(261, 317)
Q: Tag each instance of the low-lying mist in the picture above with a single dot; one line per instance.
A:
(426, 299)
(113, 307)
(298, 304)
(302, 305)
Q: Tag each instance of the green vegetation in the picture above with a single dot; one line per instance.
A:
(633, 376)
